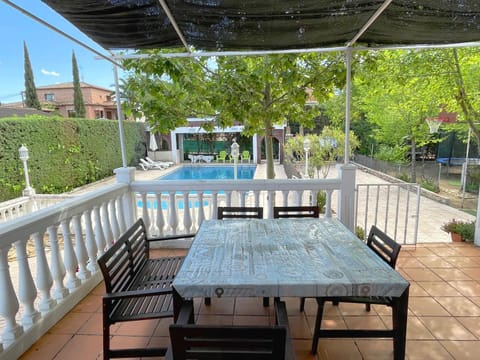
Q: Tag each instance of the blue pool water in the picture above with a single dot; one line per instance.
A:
(244, 172)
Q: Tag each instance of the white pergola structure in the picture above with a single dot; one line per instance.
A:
(258, 27)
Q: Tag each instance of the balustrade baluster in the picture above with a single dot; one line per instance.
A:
(92, 248)
(26, 287)
(187, 220)
(160, 221)
(270, 203)
(228, 198)
(113, 219)
(44, 276)
(120, 211)
(8, 301)
(69, 257)
(201, 211)
(107, 229)
(172, 221)
(99, 233)
(80, 250)
(145, 214)
(214, 205)
(328, 203)
(56, 264)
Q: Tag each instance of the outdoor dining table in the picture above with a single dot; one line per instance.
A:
(290, 257)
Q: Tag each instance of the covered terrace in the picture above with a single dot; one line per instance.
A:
(89, 223)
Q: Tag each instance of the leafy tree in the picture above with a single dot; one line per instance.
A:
(31, 97)
(78, 104)
(324, 149)
(258, 91)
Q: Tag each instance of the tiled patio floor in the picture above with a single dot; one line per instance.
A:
(444, 316)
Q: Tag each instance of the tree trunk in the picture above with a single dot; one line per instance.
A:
(413, 163)
(267, 97)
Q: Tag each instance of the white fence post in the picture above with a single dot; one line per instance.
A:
(346, 201)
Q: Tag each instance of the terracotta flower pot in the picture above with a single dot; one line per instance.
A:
(456, 237)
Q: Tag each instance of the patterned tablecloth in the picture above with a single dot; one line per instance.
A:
(283, 257)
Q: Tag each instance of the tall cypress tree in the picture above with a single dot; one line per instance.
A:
(78, 104)
(31, 97)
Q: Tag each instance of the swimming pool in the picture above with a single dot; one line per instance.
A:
(206, 172)
(245, 172)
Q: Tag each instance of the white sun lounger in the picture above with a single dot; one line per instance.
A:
(145, 165)
(162, 163)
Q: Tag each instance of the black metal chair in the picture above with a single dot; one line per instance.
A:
(295, 212)
(240, 212)
(191, 341)
(388, 250)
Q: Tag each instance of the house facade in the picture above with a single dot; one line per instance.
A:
(59, 97)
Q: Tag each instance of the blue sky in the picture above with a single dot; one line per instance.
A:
(50, 53)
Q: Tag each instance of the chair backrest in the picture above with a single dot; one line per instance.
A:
(233, 212)
(191, 341)
(295, 211)
(246, 154)
(383, 245)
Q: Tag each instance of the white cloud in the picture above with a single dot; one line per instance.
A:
(50, 73)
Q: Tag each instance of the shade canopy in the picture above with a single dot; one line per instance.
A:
(220, 25)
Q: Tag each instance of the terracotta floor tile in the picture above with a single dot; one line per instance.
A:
(82, 347)
(256, 320)
(93, 326)
(129, 342)
(327, 323)
(459, 306)
(463, 350)
(377, 349)
(438, 288)
(423, 306)
(299, 327)
(451, 274)
(420, 274)
(416, 329)
(427, 349)
(446, 328)
(416, 289)
(410, 263)
(71, 323)
(364, 322)
(302, 350)
(462, 261)
(472, 324)
(444, 251)
(434, 262)
(467, 288)
(422, 251)
(91, 303)
(162, 328)
(475, 299)
(47, 347)
(472, 272)
(214, 319)
(136, 328)
(336, 349)
(218, 306)
(252, 306)
(347, 309)
(432, 303)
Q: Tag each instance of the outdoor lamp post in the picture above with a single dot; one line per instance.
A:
(23, 155)
(235, 152)
(306, 147)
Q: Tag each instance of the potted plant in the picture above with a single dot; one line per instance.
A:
(460, 230)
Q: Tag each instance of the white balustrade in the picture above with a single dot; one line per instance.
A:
(80, 229)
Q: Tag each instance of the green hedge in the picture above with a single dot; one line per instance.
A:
(64, 153)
